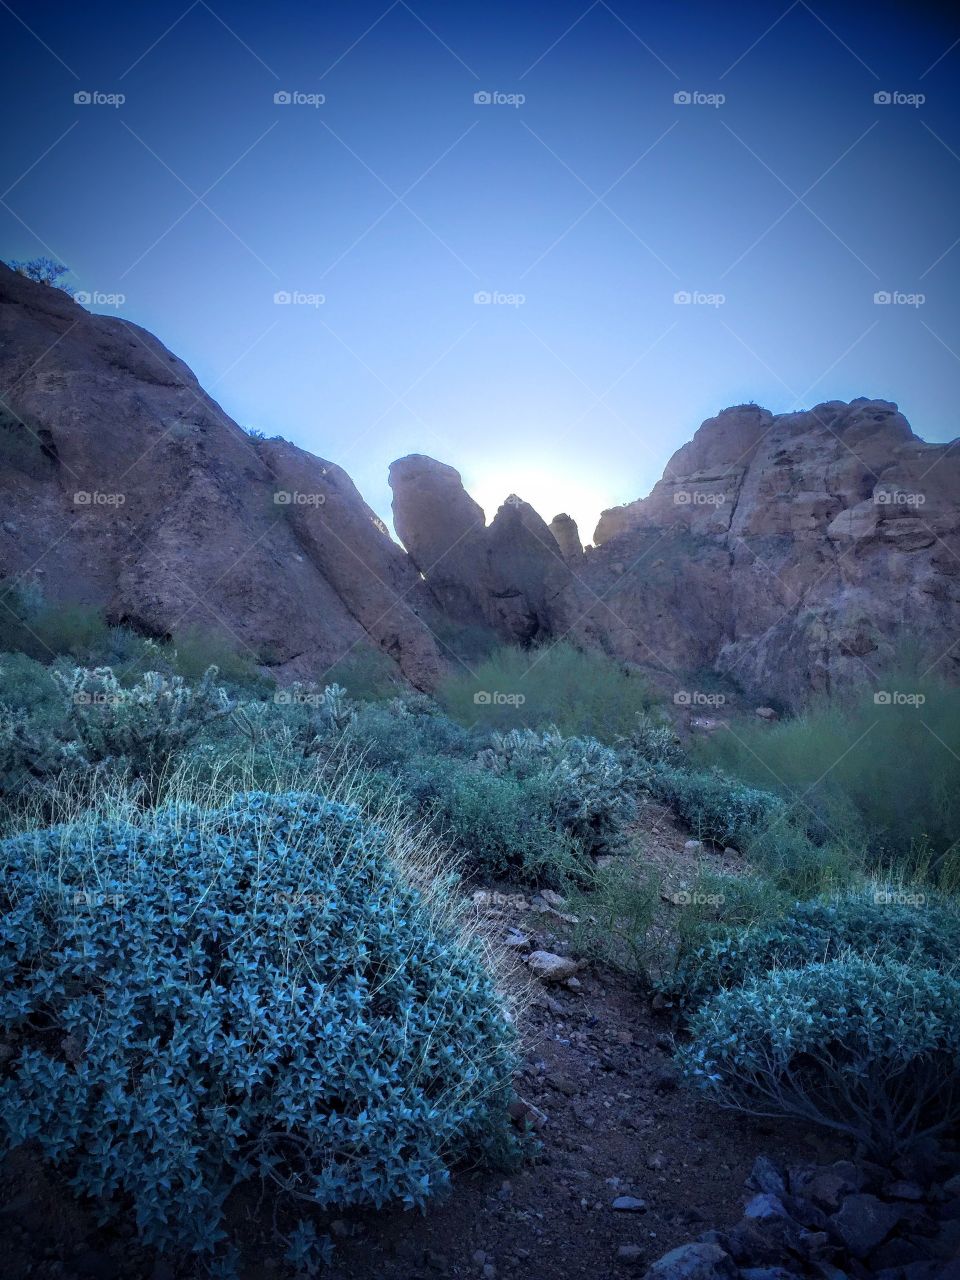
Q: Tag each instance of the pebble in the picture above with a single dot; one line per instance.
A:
(629, 1204)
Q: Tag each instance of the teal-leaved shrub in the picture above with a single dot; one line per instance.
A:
(870, 1049)
(258, 992)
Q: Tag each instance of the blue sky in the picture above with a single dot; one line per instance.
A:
(581, 199)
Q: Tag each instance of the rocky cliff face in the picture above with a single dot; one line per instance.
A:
(793, 552)
(124, 485)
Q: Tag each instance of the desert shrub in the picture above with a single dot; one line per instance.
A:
(579, 691)
(194, 649)
(367, 674)
(42, 630)
(397, 733)
(140, 727)
(862, 1047)
(886, 774)
(878, 922)
(500, 825)
(583, 778)
(652, 741)
(269, 990)
(787, 854)
(618, 913)
(715, 807)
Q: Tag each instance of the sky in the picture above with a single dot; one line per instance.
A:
(541, 242)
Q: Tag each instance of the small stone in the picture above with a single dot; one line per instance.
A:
(550, 967)
(657, 1161)
(764, 1207)
(551, 898)
(765, 1176)
(629, 1204)
(766, 713)
(573, 984)
(730, 852)
(693, 846)
(516, 941)
(479, 1257)
(489, 1271)
(863, 1222)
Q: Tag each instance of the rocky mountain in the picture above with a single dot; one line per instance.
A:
(793, 552)
(125, 485)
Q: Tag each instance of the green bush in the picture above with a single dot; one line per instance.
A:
(195, 649)
(583, 779)
(860, 772)
(866, 1048)
(888, 923)
(714, 806)
(260, 992)
(500, 825)
(581, 692)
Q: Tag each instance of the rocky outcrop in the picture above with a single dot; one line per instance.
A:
(510, 576)
(126, 486)
(793, 552)
(564, 529)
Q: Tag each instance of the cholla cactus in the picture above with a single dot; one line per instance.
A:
(140, 726)
(585, 778)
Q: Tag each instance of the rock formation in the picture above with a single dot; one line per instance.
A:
(509, 576)
(124, 485)
(793, 552)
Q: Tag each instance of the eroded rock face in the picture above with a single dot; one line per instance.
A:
(793, 551)
(509, 575)
(126, 486)
(564, 529)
